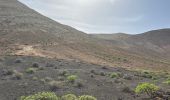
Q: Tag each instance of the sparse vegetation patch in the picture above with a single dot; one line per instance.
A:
(31, 70)
(167, 81)
(41, 96)
(53, 96)
(87, 97)
(17, 75)
(54, 85)
(72, 78)
(114, 75)
(148, 88)
(69, 97)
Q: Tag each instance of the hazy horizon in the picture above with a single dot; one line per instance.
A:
(106, 16)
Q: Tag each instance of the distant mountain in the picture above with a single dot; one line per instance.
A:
(158, 37)
(26, 32)
(154, 43)
(115, 36)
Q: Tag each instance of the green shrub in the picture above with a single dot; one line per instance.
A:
(114, 75)
(41, 96)
(102, 74)
(61, 78)
(17, 75)
(167, 82)
(150, 75)
(54, 85)
(87, 97)
(31, 70)
(40, 68)
(63, 73)
(69, 97)
(42, 80)
(147, 75)
(127, 89)
(155, 78)
(128, 77)
(168, 77)
(53, 96)
(147, 88)
(146, 72)
(72, 78)
(35, 78)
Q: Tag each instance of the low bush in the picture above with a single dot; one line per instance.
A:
(41, 96)
(48, 79)
(7, 72)
(87, 97)
(72, 78)
(102, 74)
(63, 73)
(31, 70)
(127, 89)
(104, 67)
(146, 72)
(167, 81)
(92, 76)
(35, 65)
(127, 77)
(42, 81)
(148, 88)
(41, 68)
(79, 84)
(53, 96)
(17, 75)
(150, 75)
(69, 97)
(18, 60)
(114, 75)
(147, 75)
(54, 85)
(94, 72)
(118, 81)
(35, 78)
(61, 78)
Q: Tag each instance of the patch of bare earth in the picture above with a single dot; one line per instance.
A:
(60, 52)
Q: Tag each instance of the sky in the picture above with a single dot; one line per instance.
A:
(106, 16)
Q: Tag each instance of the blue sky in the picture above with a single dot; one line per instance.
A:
(106, 16)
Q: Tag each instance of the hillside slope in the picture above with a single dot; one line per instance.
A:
(22, 24)
(23, 31)
(156, 41)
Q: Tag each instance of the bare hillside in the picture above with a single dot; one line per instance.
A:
(23, 31)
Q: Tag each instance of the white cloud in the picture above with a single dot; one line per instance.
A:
(112, 1)
(85, 15)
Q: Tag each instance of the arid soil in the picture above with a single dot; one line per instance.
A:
(91, 79)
